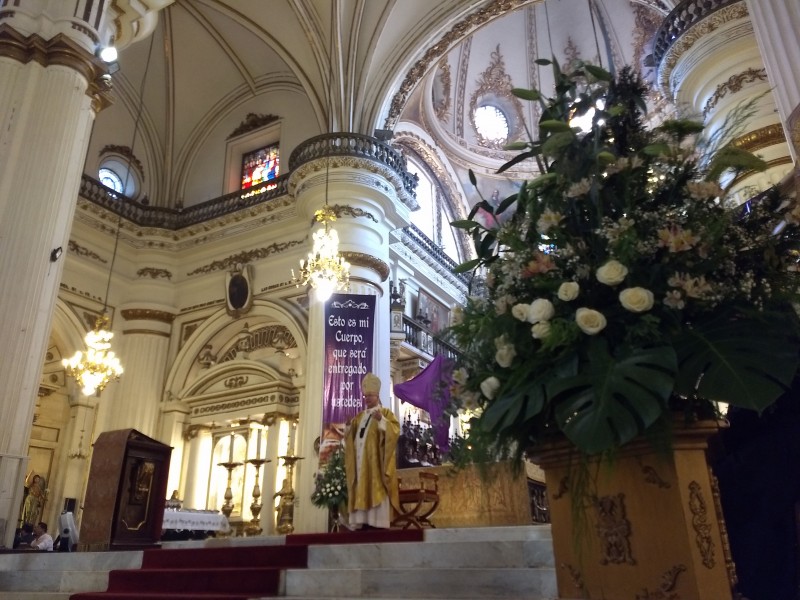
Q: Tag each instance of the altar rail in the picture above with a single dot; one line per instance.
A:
(680, 20)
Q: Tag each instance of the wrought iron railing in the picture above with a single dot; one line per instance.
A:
(434, 251)
(354, 144)
(422, 338)
(174, 218)
(678, 22)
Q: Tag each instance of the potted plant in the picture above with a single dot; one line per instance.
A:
(621, 288)
(330, 487)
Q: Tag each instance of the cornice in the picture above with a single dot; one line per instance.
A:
(370, 262)
(63, 51)
(247, 256)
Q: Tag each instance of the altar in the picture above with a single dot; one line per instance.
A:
(200, 521)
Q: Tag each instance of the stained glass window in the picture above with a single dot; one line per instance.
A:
(110, 179)
(259, 166)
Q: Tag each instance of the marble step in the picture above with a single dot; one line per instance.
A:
(451, 584)
(35, 595)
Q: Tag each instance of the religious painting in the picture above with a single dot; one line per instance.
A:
(432, 312)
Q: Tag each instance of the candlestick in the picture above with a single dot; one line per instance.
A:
(230, 450)
(254, 527)
(258, 444)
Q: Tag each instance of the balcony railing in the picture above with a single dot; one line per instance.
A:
(422, 338)
(434, 251)
(678, 22)
(174, 218)
(354, 144)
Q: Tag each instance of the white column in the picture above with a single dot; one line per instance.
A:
(776, 24)
(143, 354)
(198, 464)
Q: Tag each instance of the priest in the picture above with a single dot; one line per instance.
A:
(370, 463)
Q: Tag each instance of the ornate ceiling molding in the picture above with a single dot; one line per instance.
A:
(81, 251)
(457, 33)
(154, 273)
(252, 122)
(734, 84)
(443, 83)
(63, 51)
(344, 209)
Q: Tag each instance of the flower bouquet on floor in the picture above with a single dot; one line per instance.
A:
(620, 285)
(330, 488)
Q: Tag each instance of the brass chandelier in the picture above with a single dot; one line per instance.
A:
(325, 269)
(98, 366)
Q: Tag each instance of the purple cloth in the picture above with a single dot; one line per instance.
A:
(430, 391)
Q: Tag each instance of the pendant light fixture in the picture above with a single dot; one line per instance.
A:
(325, 269)
(97, 366)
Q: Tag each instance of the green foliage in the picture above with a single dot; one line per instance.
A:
(619, 283)
(330, 486)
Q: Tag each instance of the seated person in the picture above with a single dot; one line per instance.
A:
(43, 539)
(24, 536)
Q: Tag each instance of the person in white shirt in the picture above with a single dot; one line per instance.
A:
(43, 539)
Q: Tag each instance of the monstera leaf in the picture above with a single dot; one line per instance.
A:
(612, 400)
(745, 361)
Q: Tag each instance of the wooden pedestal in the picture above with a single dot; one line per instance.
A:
(648, 525)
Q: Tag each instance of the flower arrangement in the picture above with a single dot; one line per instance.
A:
(330, 485)
(619, 283)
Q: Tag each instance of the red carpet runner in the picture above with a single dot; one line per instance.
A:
(231, 573)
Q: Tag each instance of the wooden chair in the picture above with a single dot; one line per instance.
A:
(418, 503)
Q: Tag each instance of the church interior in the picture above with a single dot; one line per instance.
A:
(183, 181)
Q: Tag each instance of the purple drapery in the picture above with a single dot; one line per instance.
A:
(430, 391)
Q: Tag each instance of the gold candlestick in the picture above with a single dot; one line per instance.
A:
(254, 528)
(284, 520)
(227, 507)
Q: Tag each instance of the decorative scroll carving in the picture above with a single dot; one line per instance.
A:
(252, 122)
(702, 528)
(147, 314)
(270, 336)
(666, 589)
(458, 32)
(81, 251)
(730, 567)
(232, 405)
(614, 529)
(125, 152)
(154, 273)
(190, 431)
(734, 84)
(651, 476)
(246, 256)
(236, 381)
(368, 261)
(442, 101)
(339, 210)
(495, 83)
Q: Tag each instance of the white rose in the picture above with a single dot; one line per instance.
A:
(612, 273)
(520, 311)
(541, 310)
(540, 330)
(636, 299)
(568, 291)
(505, 355)
(489, 387)
(590, 321)
(460, 376)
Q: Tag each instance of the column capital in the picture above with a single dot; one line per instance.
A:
(63, 51)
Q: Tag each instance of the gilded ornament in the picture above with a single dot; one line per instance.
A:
(702, 528)
(614, 529)
(666, 589)
(368, 261)
(154, 273)
(246, 256)
(734, 84)
(652, 476)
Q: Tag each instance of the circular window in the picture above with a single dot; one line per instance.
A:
(117, 174)
(110, 179)
(491, 123)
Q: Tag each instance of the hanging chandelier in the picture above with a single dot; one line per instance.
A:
(325, 269)
(98, 366)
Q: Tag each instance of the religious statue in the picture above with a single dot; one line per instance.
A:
(285, 509)
(36, 495)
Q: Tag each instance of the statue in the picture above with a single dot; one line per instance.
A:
(33, 505)
(285, 509)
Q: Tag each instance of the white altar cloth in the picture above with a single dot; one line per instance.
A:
(195, 521)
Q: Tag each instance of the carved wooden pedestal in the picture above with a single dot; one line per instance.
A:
(651, 526)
